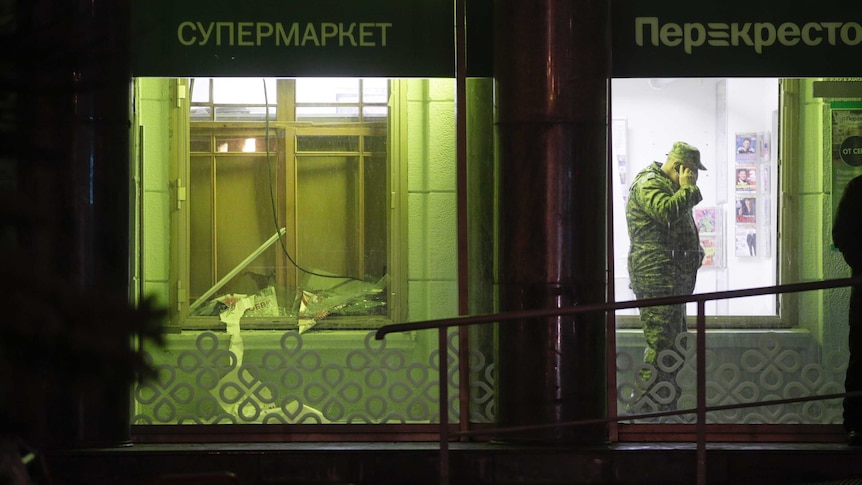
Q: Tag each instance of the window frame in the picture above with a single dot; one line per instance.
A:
(786, 316)
(394, 127)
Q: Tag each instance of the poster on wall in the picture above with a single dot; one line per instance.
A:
(745, 218)
(746, 147)
(746, 240)
(705, 219)
(710, 252)
(708, 221)
(846, 147)
(752, 150)
(746, 178)
(746, 210)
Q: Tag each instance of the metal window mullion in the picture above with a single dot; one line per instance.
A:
(360, 222)
(361, 115)
(214, 222)
(211, 98)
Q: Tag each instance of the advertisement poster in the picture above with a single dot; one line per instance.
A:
(746, 210)
(746, 177)
(751, 147)
(751, 186)
(710, 257)
(746, 241)
(846, 147)
(708, 221)
(705, 220)
(747, 147)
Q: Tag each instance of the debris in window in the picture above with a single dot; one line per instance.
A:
(319, 298)
(265, 304)
(234, 307)
(343, 297)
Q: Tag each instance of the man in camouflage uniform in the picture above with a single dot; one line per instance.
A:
(664, 257)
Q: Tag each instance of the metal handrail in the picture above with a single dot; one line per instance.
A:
(595, 307)
(699, 298)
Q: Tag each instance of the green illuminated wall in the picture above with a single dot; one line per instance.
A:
(152, 143)
(431, 242)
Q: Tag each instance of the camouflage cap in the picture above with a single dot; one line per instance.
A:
(687, 153)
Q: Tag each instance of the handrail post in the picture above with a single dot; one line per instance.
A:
(701, 392)
(443, 356)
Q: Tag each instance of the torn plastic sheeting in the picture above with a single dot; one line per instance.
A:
(318, 304)
(261, 402)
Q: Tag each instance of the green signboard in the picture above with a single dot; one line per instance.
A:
(733, 38)
(286, 38)
(416, 38)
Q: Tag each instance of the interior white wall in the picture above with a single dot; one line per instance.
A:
(706, 113)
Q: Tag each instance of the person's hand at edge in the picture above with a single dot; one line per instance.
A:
(687, 176)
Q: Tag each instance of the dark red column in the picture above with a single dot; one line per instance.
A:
(551, 60)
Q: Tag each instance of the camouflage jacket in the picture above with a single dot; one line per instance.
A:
(663, 235)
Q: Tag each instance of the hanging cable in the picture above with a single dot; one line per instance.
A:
(272, 197)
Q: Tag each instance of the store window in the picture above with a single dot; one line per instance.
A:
(289, 205)
(734, 124)
(762, 348)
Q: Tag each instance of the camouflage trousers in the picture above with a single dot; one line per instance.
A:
(661, 326)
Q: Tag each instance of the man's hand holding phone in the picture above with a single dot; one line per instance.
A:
(687, 176)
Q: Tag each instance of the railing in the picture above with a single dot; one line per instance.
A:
(701, 408)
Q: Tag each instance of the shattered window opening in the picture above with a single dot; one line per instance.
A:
(288, 222)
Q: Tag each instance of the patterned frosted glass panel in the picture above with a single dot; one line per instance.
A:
(292, 378)
(482, 378)
(742, 367)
